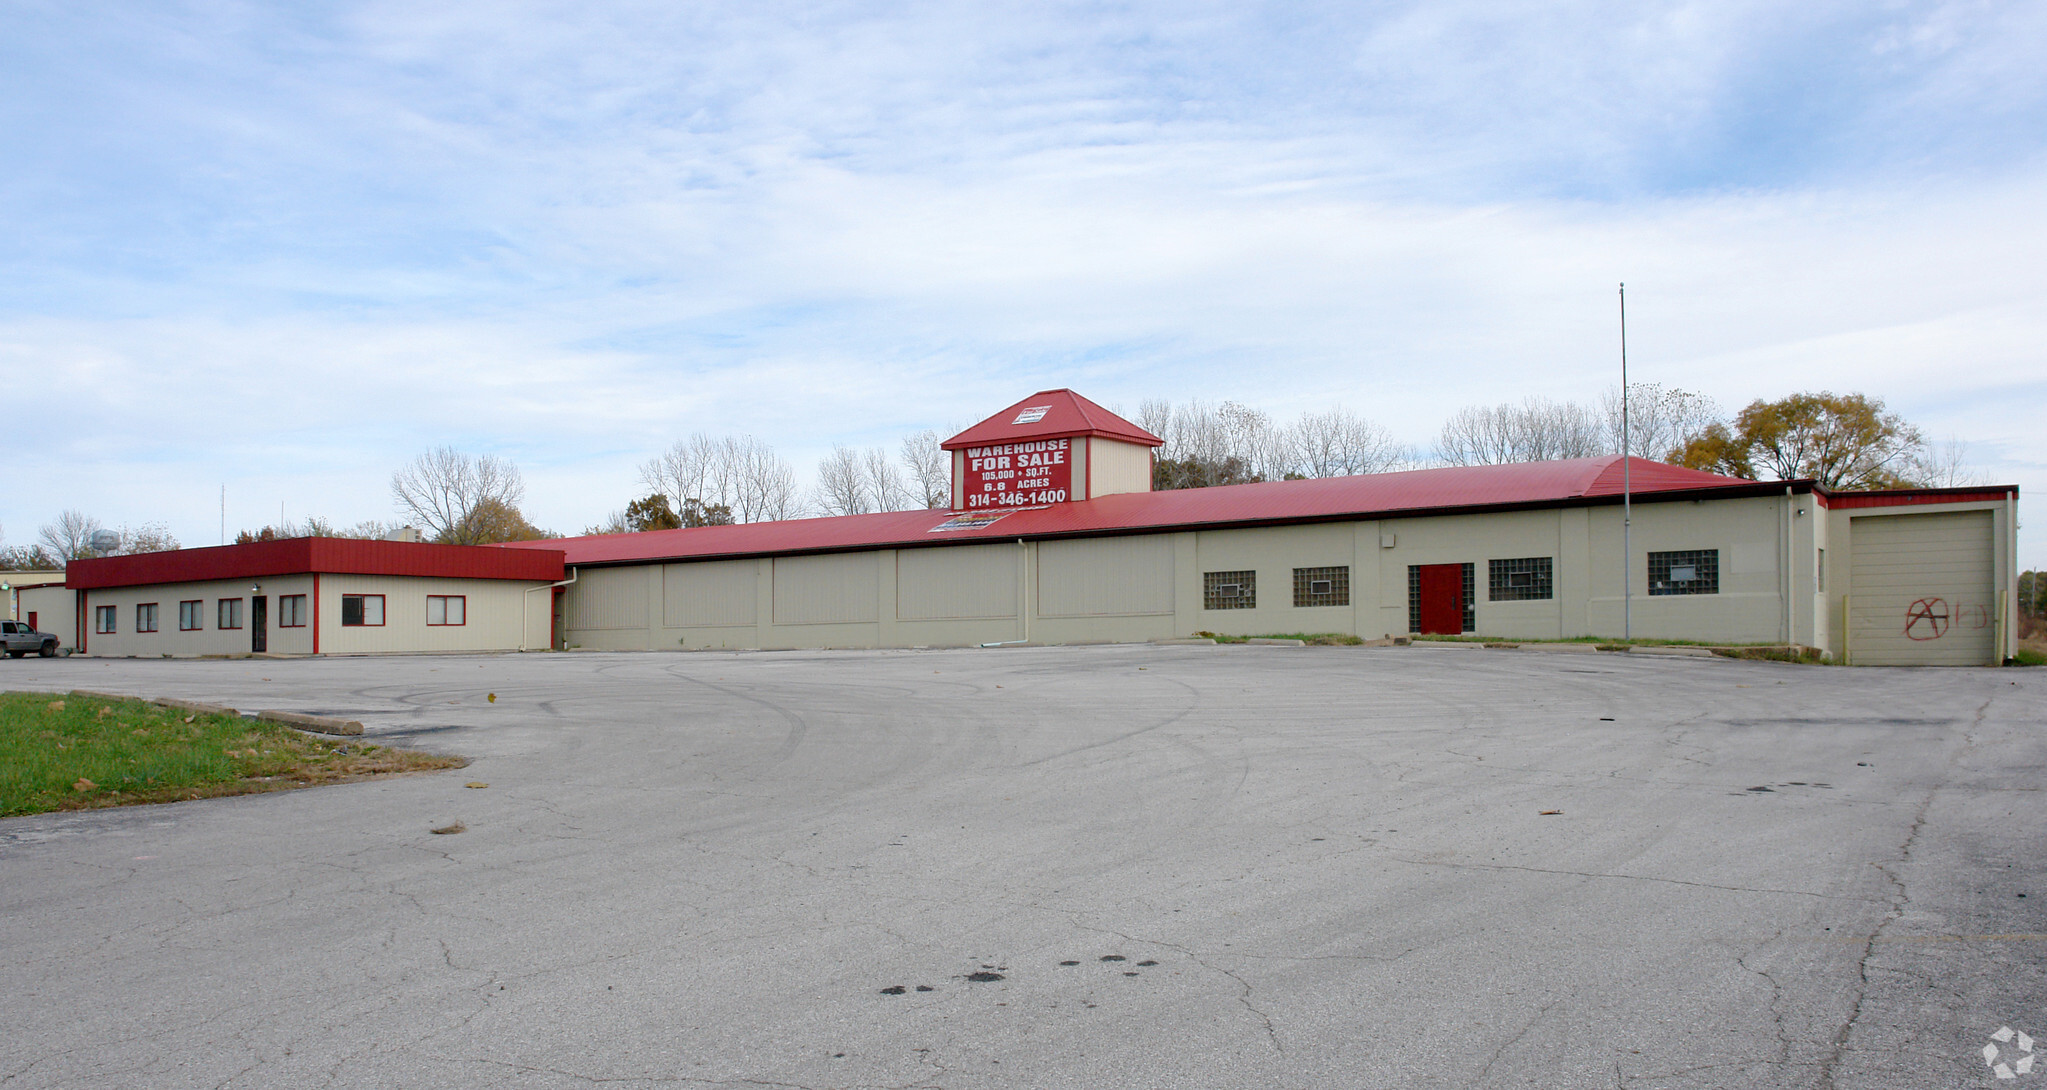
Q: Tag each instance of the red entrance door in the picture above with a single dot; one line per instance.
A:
(1442, 594)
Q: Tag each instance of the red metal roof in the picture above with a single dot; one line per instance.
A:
(328, 555)
(1417, 492)
(1049, 414)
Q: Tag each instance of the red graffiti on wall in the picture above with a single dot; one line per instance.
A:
(1927, 619)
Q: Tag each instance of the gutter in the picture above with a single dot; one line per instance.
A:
(573, 574)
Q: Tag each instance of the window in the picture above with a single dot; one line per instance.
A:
(191, 615)
(446, 609)
(103, 619)
(145, 617)
(230, 613)
(1229, 590)
(291, 611)
(1322, 586)
(1523, 580)
(358, 610)
(1689, 571)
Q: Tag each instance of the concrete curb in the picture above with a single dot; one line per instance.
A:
(195, 706)
(1687, 652)
(1263, 642)
(318, 724)
(1191, 641)
(1561, 648)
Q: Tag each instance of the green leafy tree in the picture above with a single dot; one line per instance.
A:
(489, 522)
(1843, 441)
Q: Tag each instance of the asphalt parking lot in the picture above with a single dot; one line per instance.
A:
(1059, 867)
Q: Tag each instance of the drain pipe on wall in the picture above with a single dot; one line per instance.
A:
(550, 610)
(1024, 607)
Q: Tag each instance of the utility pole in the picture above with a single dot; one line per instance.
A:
(1627, 491)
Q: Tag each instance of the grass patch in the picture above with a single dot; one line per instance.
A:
(1806, 656)
(2029, 656)
(1313, 639)
(82, 753)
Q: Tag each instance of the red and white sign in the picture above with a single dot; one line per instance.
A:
(1019, 474)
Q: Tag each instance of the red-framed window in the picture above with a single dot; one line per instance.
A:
(291, 611)
(447, 609)
(145, 617)
(103, 620)
(362, 611)
(230, 613)
(191, 615)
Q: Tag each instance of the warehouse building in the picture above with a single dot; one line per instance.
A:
(1054, 536)
(302, 596)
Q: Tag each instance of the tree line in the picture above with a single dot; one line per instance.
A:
(1844, 441)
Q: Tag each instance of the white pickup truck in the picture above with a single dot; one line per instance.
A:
(18, 639)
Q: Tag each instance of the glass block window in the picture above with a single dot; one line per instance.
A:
(1229, 590)
(1686, 571)
(1414, 598)
(1523, 580)
(1322, 586)
(1470, 598)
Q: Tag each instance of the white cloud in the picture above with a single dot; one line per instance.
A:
(299, 251)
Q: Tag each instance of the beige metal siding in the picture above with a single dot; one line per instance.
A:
(609, 598)
(717, 594)
(839, 588)
(1922, 590)
(1115, 467)
(496, 614)
(957, 583)
(1106, 577)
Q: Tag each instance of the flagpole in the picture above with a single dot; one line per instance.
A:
(1627, 491)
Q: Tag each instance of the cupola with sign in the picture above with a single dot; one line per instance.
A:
(1051, 447)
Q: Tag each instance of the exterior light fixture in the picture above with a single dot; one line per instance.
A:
(256, 588)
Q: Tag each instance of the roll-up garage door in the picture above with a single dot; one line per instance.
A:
(1923, 590)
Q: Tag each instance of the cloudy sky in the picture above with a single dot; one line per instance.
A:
(282, 248)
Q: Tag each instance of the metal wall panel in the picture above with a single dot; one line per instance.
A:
(958, 583)
(1106, 577)
(1115, 466)
(712, 594)
(837, 588)
(1923, 590)
(609, 598)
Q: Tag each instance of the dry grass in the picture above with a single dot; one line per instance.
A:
(83, 753)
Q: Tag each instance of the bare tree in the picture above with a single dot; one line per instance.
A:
(842, 483)
(1339, 443)
(930, 468)
(150, 537)
(886, 489)
(1661, 419)
(70, 537)
(444, 489)
(739, 473)
(1944, 465)
(1537, 430)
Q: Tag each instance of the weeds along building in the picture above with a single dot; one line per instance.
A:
(1054, 536)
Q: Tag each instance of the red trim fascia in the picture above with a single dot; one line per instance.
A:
(309, 555)
(316, 613)
(1912, 497)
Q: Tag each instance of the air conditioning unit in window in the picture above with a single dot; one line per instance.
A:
(1321, 586)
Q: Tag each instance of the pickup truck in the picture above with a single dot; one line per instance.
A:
(18, 639)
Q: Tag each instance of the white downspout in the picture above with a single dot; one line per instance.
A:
(550, 607)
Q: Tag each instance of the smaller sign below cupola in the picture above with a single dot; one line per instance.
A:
(1054, 446)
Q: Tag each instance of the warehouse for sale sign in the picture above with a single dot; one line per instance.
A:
(1019, 474)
